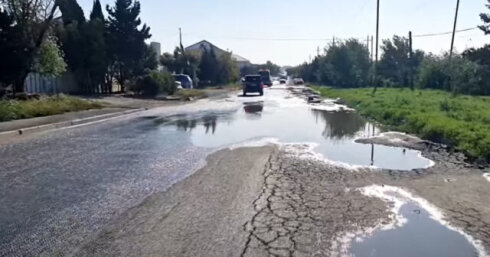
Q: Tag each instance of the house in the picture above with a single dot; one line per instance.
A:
(204, 44)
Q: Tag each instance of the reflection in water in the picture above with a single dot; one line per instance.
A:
(341, 124)
(333, 132)
(254, 107)
(430, 237)
(189, 123)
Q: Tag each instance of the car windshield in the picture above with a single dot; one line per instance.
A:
(252, 79)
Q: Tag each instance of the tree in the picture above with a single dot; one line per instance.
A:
(227, 69)
(50, 61)
(28, 23)
(486, 20)
(96, 50)
(126, 41)
(397, 64)
(345, 64)
(208, 68)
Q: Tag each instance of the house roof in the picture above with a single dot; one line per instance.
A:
(236, 57)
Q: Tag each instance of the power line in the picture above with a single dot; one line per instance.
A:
(330, 39)
(444, 33)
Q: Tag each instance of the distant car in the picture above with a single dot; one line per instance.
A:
(265, 76)
(178, 84)
(253, 83)
(298, 81)
(282, 81)
(185, 80)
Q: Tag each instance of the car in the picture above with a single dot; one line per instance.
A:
(178, 85)
(253, 83)
(282, 81)
(298, 81)
(265, 76)
(185, 80)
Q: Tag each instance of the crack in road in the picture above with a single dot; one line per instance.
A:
(302, 208)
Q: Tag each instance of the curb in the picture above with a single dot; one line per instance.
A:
(4, 136)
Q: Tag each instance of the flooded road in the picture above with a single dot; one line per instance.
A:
(203, 178)
(330, 130)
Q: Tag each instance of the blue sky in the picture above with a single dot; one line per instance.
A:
(247, 27)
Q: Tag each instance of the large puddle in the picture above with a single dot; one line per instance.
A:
(290, 120)
(418, 229)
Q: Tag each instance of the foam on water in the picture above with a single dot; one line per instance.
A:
(396, 198)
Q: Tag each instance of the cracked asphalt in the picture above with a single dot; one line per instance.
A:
(131, 187)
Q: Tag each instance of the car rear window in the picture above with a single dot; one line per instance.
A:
(252, 79)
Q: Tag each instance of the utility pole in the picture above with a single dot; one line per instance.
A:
(372, 47)
(454, 29)
(377, 47)
(180, 36)
(410, 59)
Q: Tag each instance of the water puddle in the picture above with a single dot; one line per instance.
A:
(418, 229)
(290, 120)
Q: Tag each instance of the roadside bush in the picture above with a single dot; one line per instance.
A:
(154, 83)
(460, 121)
(22, 109)
(457, 75)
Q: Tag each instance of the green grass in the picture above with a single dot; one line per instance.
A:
(194, 93)
(462, 122)
(49, 105)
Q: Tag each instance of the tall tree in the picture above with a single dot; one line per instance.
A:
(208, 68)
(97, 12)
(486, 20)
(28, 23)
(126, 40)
(74, 40)
(97, 62)
(397, 64)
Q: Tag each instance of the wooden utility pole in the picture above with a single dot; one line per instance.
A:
(410, 59)
(376, 50)
(372, 48)
(454, 29)
(180, 36)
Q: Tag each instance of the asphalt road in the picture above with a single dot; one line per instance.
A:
(59, 188)
(157, 184)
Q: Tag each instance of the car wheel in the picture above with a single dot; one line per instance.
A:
(244, 93)
(261, 92)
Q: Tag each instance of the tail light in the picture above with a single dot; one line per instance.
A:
(261, 85)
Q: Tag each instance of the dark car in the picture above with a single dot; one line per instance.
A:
(185, 80)
(253, 83)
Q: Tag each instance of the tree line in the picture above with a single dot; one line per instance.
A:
(52, 37)
(348, 64)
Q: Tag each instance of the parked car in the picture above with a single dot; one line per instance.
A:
(178, 85)
(298, 81)
(282, 81)
(253, 83)
(185, 80)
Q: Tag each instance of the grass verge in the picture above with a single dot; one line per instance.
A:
(49, 105)
(462, 122)
(194, 93)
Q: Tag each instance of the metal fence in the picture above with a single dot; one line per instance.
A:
(38, 84)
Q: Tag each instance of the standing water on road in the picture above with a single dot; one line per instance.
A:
(289, 119)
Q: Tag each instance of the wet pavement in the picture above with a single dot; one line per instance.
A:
(59, 190)
(279, 116)
(420, 236)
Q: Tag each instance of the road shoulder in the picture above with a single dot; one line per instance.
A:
(202, 215)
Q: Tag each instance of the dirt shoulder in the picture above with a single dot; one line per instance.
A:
(271, 201)
(200, 216)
